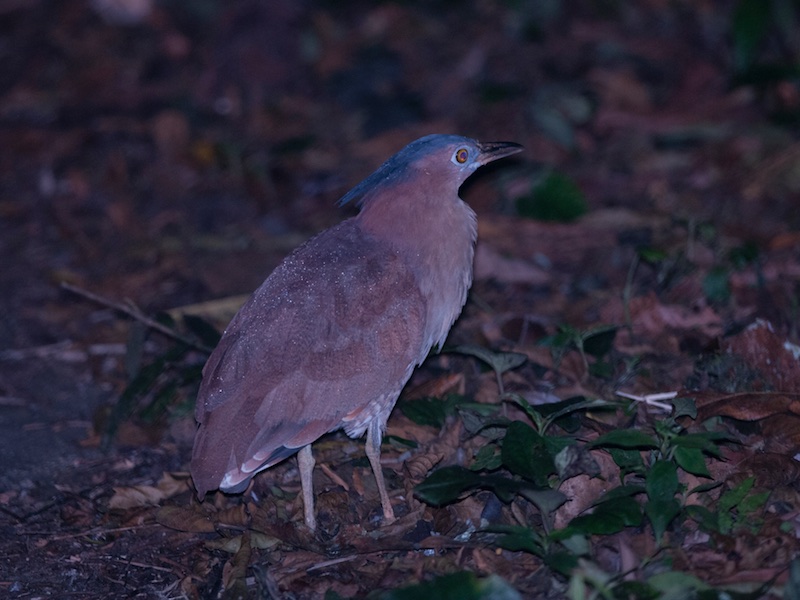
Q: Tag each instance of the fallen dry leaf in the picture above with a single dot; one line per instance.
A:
(147, 495)
(772, 355)
(185, 518)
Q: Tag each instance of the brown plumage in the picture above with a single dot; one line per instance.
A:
(331, 337)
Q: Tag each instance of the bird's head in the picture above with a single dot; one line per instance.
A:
(449, 158)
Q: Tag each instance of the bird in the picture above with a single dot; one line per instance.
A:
(332, 336)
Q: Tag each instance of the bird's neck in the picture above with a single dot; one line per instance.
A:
(435, 232)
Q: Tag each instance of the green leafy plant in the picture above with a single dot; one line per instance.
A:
(555, 198)
(164, 383)
(766, 51)
(595, 342)
(738, 508)
(526, 461)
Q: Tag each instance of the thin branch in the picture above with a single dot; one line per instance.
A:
(134, 313)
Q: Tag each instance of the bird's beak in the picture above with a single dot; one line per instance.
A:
(493, 150)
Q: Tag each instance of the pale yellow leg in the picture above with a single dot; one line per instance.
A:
(374, 455)
(305, 461)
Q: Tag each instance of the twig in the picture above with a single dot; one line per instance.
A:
(334, 477)
(134, 313)
(51, 537)
(134, 563)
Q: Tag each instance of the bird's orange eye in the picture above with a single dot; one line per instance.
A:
(462, 155)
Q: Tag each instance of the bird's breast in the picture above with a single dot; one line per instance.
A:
(434, 234)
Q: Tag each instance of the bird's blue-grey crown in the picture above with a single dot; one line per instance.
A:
(395, 169)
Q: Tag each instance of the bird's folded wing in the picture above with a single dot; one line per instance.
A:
(334, 331)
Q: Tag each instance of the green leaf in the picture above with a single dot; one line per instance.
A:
(431, 411)
(703, 441)
(602, 369)
(753, 503)
(447, 485)
(716, 285)
(692, 461)
(607, 518)
(623, 491)
(202, 329)
(626, 508)
(529, 409)
(457, 586)
(791, 590)
(144, 382)
(500, 362)
(661, 513)
(561, 562)
(592, 524)
(424, 411)
(565, 337)
(518, 538)
(677, 585)
(652, 255)
(525, 453)
(624, 438)
(558, 410)
(598, 342)
(636, 589)
(556, 198)
(626, 460)
(577, 544)
(704, 517)
(750, 21)
(159, 405)
(662, 481)
(546, 500)
(684, 407)
(705, 487)
(487, 459)
(744, 255)
(735, 495)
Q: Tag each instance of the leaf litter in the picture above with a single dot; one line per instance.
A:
(162, 169)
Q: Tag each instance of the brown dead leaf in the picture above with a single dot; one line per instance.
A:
(421, 464)
(651, 317)
(772, 470)
(621, 89)
(233, 516)
(235, 570)
(147, 495)
(583, 489)
(185, 518)
(772, 355)
(135, 496)
(219, 311)
(746, 406)
(490, 264)
(437, 387)
(781, 434)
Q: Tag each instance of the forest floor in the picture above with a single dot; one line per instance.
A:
(646, 242)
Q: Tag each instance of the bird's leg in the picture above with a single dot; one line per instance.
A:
(374, 438)
(305, 461)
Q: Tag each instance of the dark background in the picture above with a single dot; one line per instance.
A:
(169, 154)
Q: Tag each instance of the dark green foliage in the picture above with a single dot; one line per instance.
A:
(165, 384)
(525, 453)
(716, 285)
(457, 586)
(431, 411)
(556, 198)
